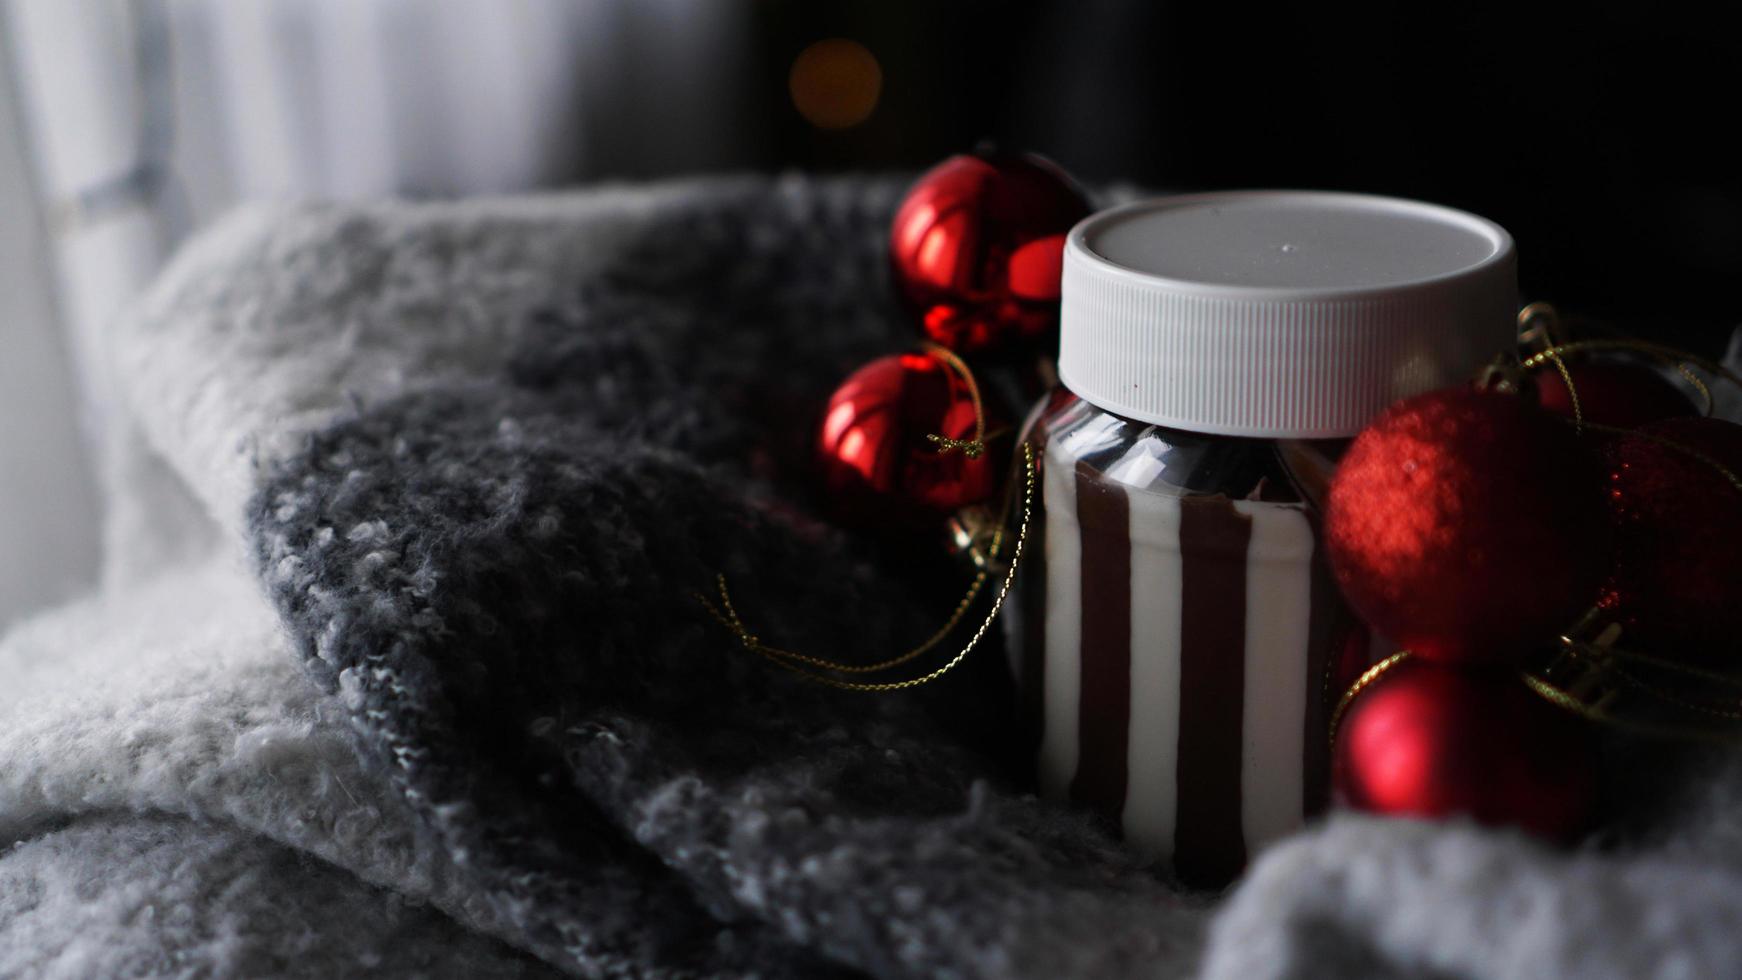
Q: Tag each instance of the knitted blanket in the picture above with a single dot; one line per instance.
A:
(398, 666)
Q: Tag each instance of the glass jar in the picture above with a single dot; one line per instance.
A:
(1177, 637)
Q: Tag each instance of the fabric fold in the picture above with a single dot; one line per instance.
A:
(500, 576)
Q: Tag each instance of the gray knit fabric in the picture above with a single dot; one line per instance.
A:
(467, 466)
(500, 578)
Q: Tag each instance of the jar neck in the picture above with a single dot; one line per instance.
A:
(1175, 462)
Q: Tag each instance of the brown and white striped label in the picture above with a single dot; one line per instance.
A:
(1175, 652)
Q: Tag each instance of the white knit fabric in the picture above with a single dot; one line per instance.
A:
(170, 718)
(140, 896)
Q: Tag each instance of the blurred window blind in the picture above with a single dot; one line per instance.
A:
(139, 120)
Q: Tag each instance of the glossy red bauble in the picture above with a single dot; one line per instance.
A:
(1428, 740)
(977, 246)
(1468, 525)
(875, 459)
(1678, 529)
(1617, 393)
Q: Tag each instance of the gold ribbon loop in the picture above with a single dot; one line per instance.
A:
(971, 448)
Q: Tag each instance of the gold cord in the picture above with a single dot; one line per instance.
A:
(971, 448)
(727, 614)
(1668, 666)
(1362, 683)
(801, 664)
(1597, 713)
(1562, 699)
(1544, 689)
(1613, 662)
(1679, 359)
(1567, 379)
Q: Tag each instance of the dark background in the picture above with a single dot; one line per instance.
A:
(1601, 137)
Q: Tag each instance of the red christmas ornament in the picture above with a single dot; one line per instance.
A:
(876, 461)
(1618, 393)
(1678, 528)
(1467, 525)
(977, 247)
(1433, 741)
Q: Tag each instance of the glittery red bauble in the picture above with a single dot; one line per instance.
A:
(1468, 525)
(877, 464)
(1430, 740)
(1678, 530)
(1617, 393)
(977, 247)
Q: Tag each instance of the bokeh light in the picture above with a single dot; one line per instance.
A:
(835, 83)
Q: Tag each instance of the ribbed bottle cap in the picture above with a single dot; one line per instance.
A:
(1279, 313)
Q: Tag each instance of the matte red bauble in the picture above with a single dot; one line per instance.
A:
(1617, 393)
(1468, 525)
(875, 459)
(1678, 530)
(977, 247)
(1433, 741)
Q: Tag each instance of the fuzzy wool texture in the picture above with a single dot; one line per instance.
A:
(145, 896)
(410, 680)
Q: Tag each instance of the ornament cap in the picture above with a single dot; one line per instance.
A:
(1279, 314)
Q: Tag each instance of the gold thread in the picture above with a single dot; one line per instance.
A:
(1363, 682)
(1594, 712)
(1572, 389)
(731, 620)
(1670, 666)
(1679, 702)
(971, 448)
(1679, 359)
(1616, 669)
(1669, 355)
(1559, 697)
(800, 664)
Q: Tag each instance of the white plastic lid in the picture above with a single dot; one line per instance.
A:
(1278, 314)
